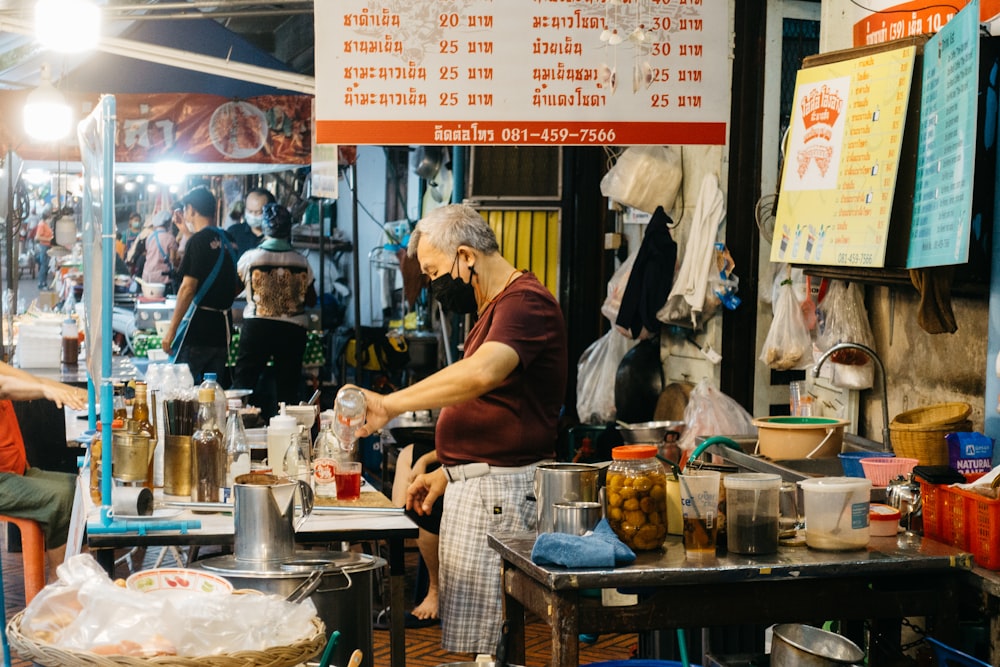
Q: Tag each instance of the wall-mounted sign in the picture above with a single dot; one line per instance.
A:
(942, 199)
(522, 72)
(841, 163)
(879, 21)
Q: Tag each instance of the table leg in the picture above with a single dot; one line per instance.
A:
(565, 623)
(397, 619)
(106, 559)
(513, 613)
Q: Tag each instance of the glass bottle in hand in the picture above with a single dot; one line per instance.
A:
(208, 454)
(349, 410)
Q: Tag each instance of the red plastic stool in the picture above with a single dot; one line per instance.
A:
(32, 554)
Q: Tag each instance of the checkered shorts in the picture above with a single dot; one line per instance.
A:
(470, 605)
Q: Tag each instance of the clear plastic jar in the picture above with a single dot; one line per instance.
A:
(635, 497)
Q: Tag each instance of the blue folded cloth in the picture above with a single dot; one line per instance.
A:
(602, 548)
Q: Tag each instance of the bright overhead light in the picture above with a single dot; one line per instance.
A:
(67, 26)
(169, 172)
(36, 176)
(47, 117)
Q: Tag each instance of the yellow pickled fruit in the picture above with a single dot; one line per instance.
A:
(635, 517)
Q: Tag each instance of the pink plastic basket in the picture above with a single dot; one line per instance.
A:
(881, 471)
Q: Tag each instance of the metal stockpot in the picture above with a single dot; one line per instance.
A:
(343, 598)
(560, 483)
(796, 645)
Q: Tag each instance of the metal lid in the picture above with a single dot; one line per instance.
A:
(302, 562)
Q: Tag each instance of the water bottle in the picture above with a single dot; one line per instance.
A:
(325, 453)
(349, 410)
(184, 382)
(210, 381)
(297, 458)
(237, 448)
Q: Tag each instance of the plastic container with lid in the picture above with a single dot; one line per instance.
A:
(883, 520)
(635, 497)
(836, 511)
(752, 512)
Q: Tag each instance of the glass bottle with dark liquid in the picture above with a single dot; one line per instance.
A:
(144, 427)
(208, 453)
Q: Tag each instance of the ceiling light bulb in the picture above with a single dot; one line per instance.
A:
(47, 116)
(67, 26)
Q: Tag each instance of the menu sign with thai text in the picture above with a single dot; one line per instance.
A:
(942, 200)
(522, 72)
(878, 21)
(841, 162)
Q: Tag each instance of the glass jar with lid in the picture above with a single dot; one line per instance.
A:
(635, 497)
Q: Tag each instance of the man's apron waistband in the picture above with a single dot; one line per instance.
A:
(468, 471)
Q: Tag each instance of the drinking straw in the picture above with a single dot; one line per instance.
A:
(328, 651)
(682, 648)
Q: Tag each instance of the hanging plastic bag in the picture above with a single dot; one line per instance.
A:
(644, 177)
(616, 288)
(710, 412)
(845, 320)
(788, 344)
(595, 381)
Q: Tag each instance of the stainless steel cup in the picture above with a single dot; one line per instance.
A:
(576, 518)
(562, 483)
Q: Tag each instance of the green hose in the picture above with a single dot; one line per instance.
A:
(714, 440)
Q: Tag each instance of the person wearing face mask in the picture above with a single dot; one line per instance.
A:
(199, 332)
(499, 409)
(249, 233)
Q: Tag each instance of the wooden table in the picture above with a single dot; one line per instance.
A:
(320, 527)
(986, 583)
(880, 584)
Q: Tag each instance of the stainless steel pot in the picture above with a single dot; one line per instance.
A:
(797, 645)
(664, 434)
(560, 483)
(343, 597)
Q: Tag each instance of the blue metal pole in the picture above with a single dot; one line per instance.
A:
(108, 114)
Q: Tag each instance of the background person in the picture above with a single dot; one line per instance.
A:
(45, 496)
(250, 233)
(161, 253)
(43, 236)
(200, 328)
(500, 405)
(279, 287)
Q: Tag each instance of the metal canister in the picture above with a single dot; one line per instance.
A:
(130, 456)
(177, 465)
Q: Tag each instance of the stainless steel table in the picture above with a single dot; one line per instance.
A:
(880, 584)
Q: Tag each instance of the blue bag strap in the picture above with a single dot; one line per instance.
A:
(159, 246)
(202, 291)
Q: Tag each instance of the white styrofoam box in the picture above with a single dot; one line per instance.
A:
(39, 344)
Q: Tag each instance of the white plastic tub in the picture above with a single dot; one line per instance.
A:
(836, 512)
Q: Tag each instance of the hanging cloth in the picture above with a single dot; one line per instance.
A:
(685, 305)
(650, 280)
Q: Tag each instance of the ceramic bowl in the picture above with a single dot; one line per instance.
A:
(177, 579)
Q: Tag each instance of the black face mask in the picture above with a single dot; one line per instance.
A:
(454, 294)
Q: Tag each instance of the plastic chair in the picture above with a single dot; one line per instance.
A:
(32, 554)
(949, 657)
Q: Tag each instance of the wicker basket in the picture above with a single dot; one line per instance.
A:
(927, 445)
(934, 417)
(276, 656)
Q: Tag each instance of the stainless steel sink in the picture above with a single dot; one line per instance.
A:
(791, 470)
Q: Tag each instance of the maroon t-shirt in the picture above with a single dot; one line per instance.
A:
(515, 424)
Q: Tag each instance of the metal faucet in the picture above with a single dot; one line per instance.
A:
(886, 439)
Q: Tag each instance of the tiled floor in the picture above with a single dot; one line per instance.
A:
(423, 646)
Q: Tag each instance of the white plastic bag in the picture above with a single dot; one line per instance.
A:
(788, 344)
(710, 412)
(616, 288)
(644, 177)
(595, 381)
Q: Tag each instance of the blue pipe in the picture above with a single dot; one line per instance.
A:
(109, 116)
(142, 527)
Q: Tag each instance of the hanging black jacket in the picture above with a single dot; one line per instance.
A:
(651, 278)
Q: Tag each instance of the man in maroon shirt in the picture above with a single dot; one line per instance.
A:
(500, 404)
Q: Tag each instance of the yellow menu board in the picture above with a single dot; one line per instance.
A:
(841, 160)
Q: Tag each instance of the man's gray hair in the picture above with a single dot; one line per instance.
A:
(448, 227)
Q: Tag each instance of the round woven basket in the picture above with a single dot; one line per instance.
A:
(927, 445)
(934, 417)
(276, 656)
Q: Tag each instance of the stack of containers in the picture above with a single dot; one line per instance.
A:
(39, 343)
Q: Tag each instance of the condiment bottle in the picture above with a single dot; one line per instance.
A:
(279, 430)
(297, 457)
(208, 455)
(325, 459)
(143, 426)
(96, 452)
(635, 497)
(118, 408)
(70, 342)
(237, 448)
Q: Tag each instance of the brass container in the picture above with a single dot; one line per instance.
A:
(177, 465)
(130, 456)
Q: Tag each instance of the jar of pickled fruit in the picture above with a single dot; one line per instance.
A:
(635, 497)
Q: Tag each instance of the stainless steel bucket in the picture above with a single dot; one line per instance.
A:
(343, 598)
(560, 483)
(797, 645)
(263, 516)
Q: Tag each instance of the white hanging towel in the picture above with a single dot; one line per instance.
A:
(686, 301)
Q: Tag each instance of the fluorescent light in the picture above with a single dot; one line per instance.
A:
(36, 176)
(67, 26)
(170, 172)
(47, 117)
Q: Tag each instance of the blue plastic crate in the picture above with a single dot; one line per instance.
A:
(949, 657)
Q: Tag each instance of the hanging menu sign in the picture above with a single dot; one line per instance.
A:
(942, 200)
(840, 165)
(522, 72)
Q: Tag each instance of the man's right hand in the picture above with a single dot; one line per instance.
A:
(424, 490)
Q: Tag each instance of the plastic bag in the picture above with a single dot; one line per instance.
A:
(616, 288)
(710, 412)
(644, 177)
(85, 610)
(595, 385)
(788, 344)
(845, 319)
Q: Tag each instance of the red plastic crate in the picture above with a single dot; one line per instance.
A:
(930, 499)
(982, 519)
(954, 530)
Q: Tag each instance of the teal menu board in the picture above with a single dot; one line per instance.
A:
(942, 200)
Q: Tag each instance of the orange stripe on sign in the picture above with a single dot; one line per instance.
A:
(493, 133)
(916, 17)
